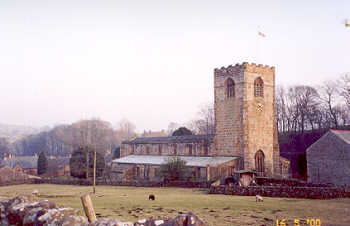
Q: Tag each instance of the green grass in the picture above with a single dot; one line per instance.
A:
(131, 203)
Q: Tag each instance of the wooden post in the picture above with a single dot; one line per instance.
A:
(94, 170)
(88, 208)
(208, 172)
(87, 162)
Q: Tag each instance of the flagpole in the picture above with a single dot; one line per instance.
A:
(260, 36)
(258, 47)
(258, 50)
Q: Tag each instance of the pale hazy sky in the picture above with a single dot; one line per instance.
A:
(150, 61)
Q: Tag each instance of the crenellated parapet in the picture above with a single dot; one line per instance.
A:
(245, 66)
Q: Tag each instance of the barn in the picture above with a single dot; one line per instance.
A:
(328, 159)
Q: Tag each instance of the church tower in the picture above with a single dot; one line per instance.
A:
(245, 123)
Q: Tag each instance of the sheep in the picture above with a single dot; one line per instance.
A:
(259, 198)
(216, 183)
(35, 192)
(151, 197)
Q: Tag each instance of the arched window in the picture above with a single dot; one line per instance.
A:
(189, 149)
(258, 87)
(159, 149)
(230, 88)
(260, 163)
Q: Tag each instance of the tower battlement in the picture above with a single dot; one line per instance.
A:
(245, 122)
(245, 66)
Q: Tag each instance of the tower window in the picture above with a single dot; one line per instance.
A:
(230, 88)
(260, 163)
(258, 87)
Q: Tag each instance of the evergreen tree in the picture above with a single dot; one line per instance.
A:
(42, 163)
(78, 161)
(182, 131)
(116, 153)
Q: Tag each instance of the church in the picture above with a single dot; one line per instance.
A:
(245, 134)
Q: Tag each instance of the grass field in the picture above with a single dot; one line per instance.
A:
(131, 203)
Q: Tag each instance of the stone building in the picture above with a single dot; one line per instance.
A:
(245, 123)
(328, 159)
(29, 164)
(9, 175)
(245, 132)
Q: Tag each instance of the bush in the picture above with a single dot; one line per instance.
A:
(174, 168)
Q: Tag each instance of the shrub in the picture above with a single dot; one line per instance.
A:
(174, 168)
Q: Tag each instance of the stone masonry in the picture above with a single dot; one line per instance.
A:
(244, 123)
(328, 159)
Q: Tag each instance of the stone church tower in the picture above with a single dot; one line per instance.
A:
(245, 123)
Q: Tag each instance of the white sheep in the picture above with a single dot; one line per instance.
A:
(259, 198)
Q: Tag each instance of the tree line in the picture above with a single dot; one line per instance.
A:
(301, 107)
(62, 140)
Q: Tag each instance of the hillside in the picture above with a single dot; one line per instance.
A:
(16, 132)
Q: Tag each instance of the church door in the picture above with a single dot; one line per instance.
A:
(260, 163)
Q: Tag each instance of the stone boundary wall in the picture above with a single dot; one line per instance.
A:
(24, 210)
(284, 191)
(288, 182)
(9, 183)
(183, 184)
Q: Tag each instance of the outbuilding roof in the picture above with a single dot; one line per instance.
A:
(171, 139)
(60, 161)
(343, 134)
(195, 161)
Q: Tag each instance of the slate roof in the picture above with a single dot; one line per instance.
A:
(171, 139)
(343, 134)
(25, 162)
(158, 160)
(61, 161)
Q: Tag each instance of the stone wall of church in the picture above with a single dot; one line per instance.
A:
(127, 172)
(259, 117)
(185, 149)
(245, 124)
(228, 112)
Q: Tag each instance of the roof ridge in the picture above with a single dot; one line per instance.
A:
(340, 134)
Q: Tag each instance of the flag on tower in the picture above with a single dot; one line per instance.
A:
(262, 34)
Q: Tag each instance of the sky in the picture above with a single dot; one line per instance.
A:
(152, 62)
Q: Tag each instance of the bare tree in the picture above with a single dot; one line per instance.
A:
(296, 108)
(281, 109)
(172, 127)
(330, 99)
(344, 88)
(205, 121)
(126, 129)
(5, 146)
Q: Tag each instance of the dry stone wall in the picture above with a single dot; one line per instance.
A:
(284, 191)
(22, 210)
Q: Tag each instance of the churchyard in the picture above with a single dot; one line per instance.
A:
(131, 203)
